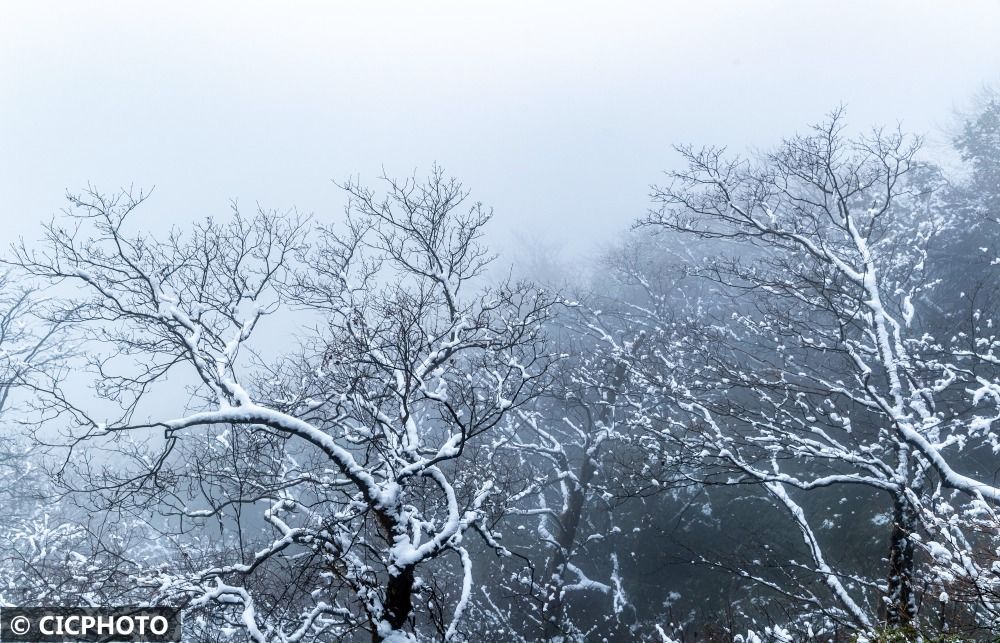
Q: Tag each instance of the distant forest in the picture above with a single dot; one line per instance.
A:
(768, 413)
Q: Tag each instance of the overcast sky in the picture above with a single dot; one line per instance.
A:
(559, 114)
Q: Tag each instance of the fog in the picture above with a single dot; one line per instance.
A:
(558, 114)
(709, 355)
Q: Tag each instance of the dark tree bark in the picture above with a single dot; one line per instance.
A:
(569, 519)
(900, 608)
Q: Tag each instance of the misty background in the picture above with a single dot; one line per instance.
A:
(626, 432)
(557, 114)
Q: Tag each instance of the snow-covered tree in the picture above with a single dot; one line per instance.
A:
(821, 376)
(35, 529)
(334, 473)
(563, 550)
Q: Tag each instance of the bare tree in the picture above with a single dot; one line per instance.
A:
(347, 456)
(33, 348)
(820, 376)
(562, 444)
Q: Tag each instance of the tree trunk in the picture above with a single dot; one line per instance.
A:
(569, 519)
(398, 601)
(569, 524)
(901, 607)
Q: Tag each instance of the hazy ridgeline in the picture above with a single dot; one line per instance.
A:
(767, 414)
